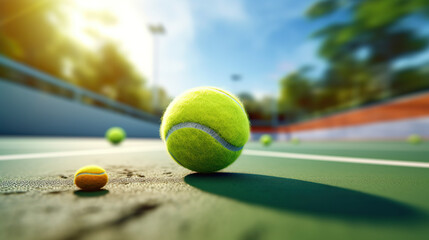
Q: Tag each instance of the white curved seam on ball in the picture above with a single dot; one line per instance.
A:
(214, 89)
(84, 173)
(205, 129)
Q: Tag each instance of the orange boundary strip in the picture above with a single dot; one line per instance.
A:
(411, 107)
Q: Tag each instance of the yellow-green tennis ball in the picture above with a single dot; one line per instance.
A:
(115, 135)
(205, 129)
(266, 140)
(295, 140)
(90, 178)
(414, 139)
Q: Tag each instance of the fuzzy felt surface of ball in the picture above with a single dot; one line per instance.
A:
(266, 140)
(205, 129)
(115, 135)
(295, 140)
(91, 178)
(415, 139)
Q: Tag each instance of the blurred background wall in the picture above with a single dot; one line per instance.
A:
(39, 114)
(395, 119)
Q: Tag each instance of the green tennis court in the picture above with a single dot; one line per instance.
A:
(265, 194)
(337, 91)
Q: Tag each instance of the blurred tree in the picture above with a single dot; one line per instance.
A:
(361, 53)
(28, 26)
(257, 109)
(251, 105)
(296, 97)
(163, 100)
(420, 79)
(35, 33)
(374, 27)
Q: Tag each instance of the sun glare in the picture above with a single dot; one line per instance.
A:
(93, 22)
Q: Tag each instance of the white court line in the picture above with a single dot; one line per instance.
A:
(245, 152)
(80, 153)
(370, 148)
(335, 159)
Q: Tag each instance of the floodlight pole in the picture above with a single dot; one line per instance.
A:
(156, 31)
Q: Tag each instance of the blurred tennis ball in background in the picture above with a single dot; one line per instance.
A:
(205, 129)
(414, 139)
(295, 140)
(90, 178)
(266, 140)
(115, 135)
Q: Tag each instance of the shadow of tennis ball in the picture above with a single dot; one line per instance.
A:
(87, 194)
(294, 195)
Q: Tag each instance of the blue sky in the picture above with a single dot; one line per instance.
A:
(261, 40)
(207, 41)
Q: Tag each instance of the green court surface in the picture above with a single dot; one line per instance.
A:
(265, 194)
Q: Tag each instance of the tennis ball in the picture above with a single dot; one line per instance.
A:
(266, 139)
(205, 129)
(115, 135)
(415, 139)
(90, 178)
(295, 140)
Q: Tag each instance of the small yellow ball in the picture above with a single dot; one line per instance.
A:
(90, 178)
